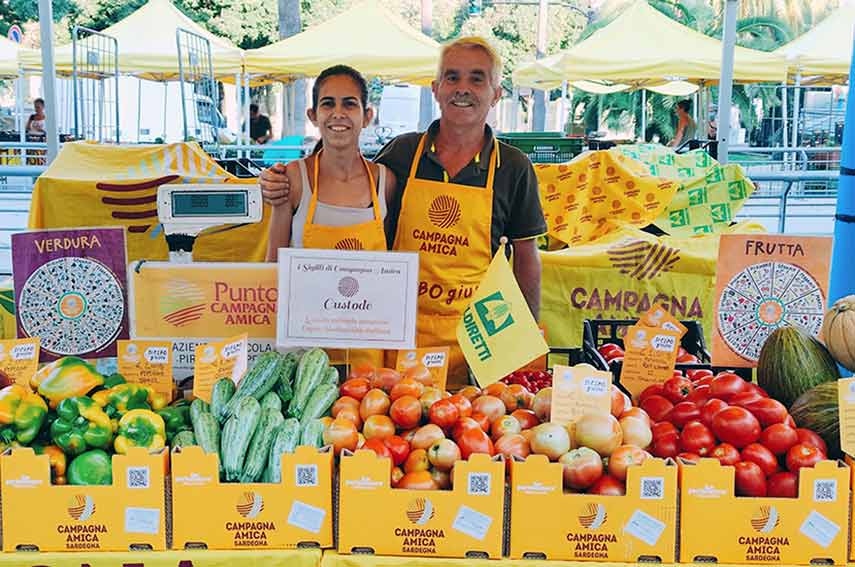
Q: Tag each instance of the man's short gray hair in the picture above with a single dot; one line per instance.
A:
(474, 42)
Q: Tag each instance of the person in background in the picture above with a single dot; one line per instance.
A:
(260, 129)
(36, 121)
(685, 124)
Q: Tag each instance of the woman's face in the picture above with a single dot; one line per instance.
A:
(39, 106)
(340, 116)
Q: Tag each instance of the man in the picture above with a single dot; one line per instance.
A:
(459, 191)
(685, 124)
(259, 125)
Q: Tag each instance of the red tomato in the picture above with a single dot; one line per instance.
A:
(687, 359)
(744, 398)
(511, 446)
(366, 371)
(802, 455)
(505, 425)
(783, 485)
(750, 480)
(790, 421)
(462, 425)
(470, 392)
(420, 374)
(526, 417)
(397, 475)
(444, 413)
(610, 350)
(425, 436)
(768, 411)
(464, 406)
(709, 409)
(344, 402)
(582, 468)
(752, 387)
(407, 387)
(379, 426)
(608, 486)
(356, 388)
(689, 457)
(809, 437)
(664, 429)
(419, 480)
(406, 412)
(726, 385)
(657, 407)
(683, 413)
(697, 438)
(385, 379)
(699, 395)
(475, 441)
(375, 402)
(398, 448)
(779, 437)
(652, 390)
(736, 426)
(443, 454)
(726, 454)
(675, 390)
(482, 420)
(666, 446)
(380, 449)
(696, 374)
(491, 406)
(639, 413)
(624, 457)
(762, 457)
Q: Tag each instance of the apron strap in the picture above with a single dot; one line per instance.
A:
(491, 168)
(313, 202)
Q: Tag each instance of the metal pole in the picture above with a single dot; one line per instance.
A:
(538, 120)
(695, 109)
(784, 129)
(181, 87)
(139, 107)
(246, 108)
(49, 78)
(425, 94)
(165, 98)
(562, 107)
(19, 106)
(643, 115)
(515, 109)
(703, 112)
(725, 85)
(797, 92)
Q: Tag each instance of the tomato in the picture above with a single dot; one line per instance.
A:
(462, 425)
(768, 411)
(495, 389)
(351, 414)
(599, 431)
(444, 414)
(443, 454)
(683, 413)
(506, 424)
(419, 480)
(675, 390)
(399, 449)
(553, 440)
(341, 434)
(417, 461)
(482, 420)
(406, 412)
(475, 441)
(516, 397)
(656, 406)
(526, 418)
(744, 398)
(688, 359)
(375, 402)
(666, 446)
(783, 485)
(778, 438)
(407, 387)
(420, 374)
(664, 428)
(636, 431)
(726, 454)
(689, 457)
(736, 426)
(750, 480)
(726, 385)
(542, 404)
(608, 486)
(343, 403)
(639, 413)
(378, 426)
(385, 379)
(619, 402)
(491, 406)
(397, 475)
(752, 387)
(464, 406)
(379, 449)
(790, 421)
(428, 398)
(624, 457)
(802, 455)
(709, 409)
(442, 479)
(762, 457)
(705, 381)
(426, 435)
(582, 468)
(809, 437)
(355, 388)
(699, 395)
(512, 445)
(361, 371)
(652, 390)
(697, 438)
(470, 392)
(610, 350)
(409, 434)
(696, 374)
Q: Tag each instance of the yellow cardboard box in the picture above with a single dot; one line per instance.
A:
(642, 525)
(851, 464)
(130, 513)
(441, 523)
(714, 523)
(298, 510)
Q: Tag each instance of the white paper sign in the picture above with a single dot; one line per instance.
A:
(819, 528)
(472, 523)
(306, 516)
(344, 299)
(645, 527)
(142, 520)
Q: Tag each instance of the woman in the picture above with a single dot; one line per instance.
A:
(36, 121)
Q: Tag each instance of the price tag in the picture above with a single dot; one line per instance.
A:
(306, 517)
(660, 317)
(435, 359)
(142, 520)
(651, 354)
(820, 529)
(224, 359)
(472, 523)
(846, 404)
(579, 390)
(19, 359)
(147, 362)
(645, 527)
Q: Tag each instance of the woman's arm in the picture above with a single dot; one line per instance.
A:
(279, 235)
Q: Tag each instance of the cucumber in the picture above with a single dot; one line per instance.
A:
(259, 447)
(285, 385)
(260, 379)
(222, 392)
(206, 430)
(184, 439)
(331, 376)
(198, 406)
(271, 401)
(313, 433)
(236, 438)
(284, 441)
(310, 371)
(320, 402)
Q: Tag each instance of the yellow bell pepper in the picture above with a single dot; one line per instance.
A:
(65, 378)
(140, 428)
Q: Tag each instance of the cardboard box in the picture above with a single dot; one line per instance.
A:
(851, 464)
(129, 514)
(716, 524)
(640, 526)
(297, 511)
(467, 520)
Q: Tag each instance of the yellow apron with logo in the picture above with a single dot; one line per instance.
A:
(364, 236)
(449, 225)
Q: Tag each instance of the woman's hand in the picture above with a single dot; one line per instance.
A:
(275, 187)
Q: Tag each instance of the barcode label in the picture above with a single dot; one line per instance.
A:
(825, 490)
(307, 475)
(652, 488)
(479, 484)
(138, 477)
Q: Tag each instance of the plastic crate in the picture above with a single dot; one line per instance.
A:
(544, 148)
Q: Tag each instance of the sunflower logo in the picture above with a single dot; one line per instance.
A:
(420, 511)
(765, 519)
(593, 516)
(81, 507)
(250, 505)
(349, 244)
(444, 211)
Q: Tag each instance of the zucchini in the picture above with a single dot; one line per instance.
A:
(271, 401)
(331, 376)
(320, 402)
(285, 440)
(260, 379)
(184, 439)
(236, 438)
(198, 406)
(222, 392)
(285, 385)
(310, 371)
(206, 430)
(313, 433)
(259, 447)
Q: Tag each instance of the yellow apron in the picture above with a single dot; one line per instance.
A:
(449, 225)
(364, 236)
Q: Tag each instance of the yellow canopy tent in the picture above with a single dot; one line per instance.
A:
(825, 51)
(643, 46)
(147, 45)
(367, 37)
(671, 88)
(10, 57)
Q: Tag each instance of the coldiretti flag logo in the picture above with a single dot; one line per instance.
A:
(184, 304)
(494, 313)
(444, 211)
(765, 519)
(593, 516)
(81, 507)
(250, 505)
(420, 511)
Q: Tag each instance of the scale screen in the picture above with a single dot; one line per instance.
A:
(210, 203)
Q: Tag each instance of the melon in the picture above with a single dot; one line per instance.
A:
(838, 330)
(791, 363)
(817, 410)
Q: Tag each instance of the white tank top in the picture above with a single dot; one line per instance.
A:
(333, 215)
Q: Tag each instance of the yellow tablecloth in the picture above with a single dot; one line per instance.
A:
(333, 559)
(200, 558)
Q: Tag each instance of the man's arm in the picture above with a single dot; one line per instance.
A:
(527, 272)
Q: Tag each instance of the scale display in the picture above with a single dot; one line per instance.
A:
(210, 203)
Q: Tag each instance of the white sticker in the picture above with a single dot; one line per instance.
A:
(645, 527)
(157, 355)
(472, 523)
(433, 359)
(23, 352)
(819, 529)
(306, 517)
(595, 386)
(663, 343)
(142, 520)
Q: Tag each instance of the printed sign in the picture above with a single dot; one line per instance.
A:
(147, 362)
(19, 359)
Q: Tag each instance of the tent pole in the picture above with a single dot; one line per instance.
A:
(797, 91)
(19, 106)
(784, 128)
(695, 111)
(238, 106)
(246, 109)
(139, 107)
(725, 85)
(643, 115)
(562, 108)
(165, 97)
(49, 78)
(515, 109)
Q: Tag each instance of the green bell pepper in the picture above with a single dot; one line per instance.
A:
(22, 414)
(91, 467)
(80, 425)
(140, 428)
(177, 418)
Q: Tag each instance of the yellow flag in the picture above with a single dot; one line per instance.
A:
(497, 332)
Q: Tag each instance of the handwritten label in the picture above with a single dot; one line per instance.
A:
(19, 359)
(224, 359)
(579, 390)
(472, 523)
(147, 362)
(435, 359)
(651, 354)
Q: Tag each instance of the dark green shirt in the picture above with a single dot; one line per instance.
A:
(517, 213)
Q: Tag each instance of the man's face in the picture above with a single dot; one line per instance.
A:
(464, 90)
(39, 106)
(253, 114)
